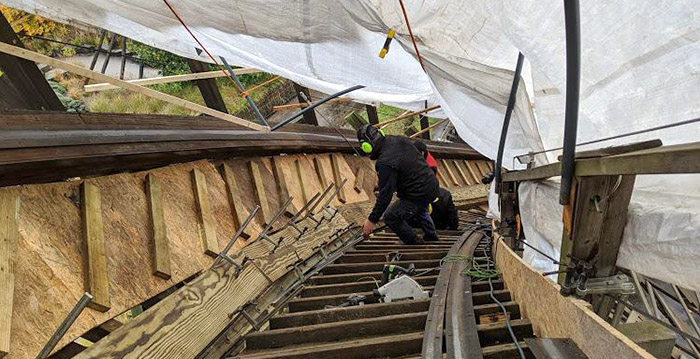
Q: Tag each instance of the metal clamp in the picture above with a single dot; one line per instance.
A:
(256, 324)
(298, 270)
(619, 284)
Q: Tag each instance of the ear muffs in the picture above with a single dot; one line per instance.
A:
(368, 135)
(366, 147)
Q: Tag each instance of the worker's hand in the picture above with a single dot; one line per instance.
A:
(367, 228)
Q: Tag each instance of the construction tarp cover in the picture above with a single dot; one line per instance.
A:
(640, 68)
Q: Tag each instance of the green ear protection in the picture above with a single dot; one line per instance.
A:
(367, 146)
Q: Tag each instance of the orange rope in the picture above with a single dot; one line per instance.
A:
(410, 32)
(221, 67)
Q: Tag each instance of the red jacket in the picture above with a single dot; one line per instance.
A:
(431, 162)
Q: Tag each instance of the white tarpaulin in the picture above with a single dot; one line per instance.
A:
(640, 68)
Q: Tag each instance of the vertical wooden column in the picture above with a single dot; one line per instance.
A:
(309, 116)
(260, 194)
(9, 234)
(372, 115)
(508, 200)
(207, 224)
(207, 87)
(281, 181)
(24, 86)
(161, 249)
(93, 233)
(337, 178)
(424, 123)
(237, 209)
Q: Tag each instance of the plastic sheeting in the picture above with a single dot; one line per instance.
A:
(640, 68)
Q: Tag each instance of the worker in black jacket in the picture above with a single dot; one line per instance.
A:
(401, 169)
(443, 212)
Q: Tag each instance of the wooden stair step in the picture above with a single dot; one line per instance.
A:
(503, 295)
(483, 286)
(402, 246)
(314, 303)
(376, 266)
(337, 331)
(378, 347)
(381, 257)
(348, 288)
(497, 333)
(492, 308)
(347, 313)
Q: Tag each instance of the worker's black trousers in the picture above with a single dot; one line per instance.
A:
(400, 212)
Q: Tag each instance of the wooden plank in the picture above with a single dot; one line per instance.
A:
(9, 236)
(337, 177)
(281, 181)
(93, 234)
(450, 174)
(260, 193)
(359, 179)
(539, 298)
(302, 184)
(372, 115)
(617, 150)
(483, 168)
(184, 323)
(207, 87)
(171, 79)
(309, 116)
(207, 225)
(30, 90)
(441, 179)
(461, 173)
(473, 171)
(161, 249)
(537, 173)
(39, 58)
(318, 166)
(237, 209)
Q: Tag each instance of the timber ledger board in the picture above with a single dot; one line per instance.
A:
(556, 316)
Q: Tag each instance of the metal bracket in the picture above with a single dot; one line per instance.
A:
(322, 248)
(619, 284)
(257, 325)
(298, 270)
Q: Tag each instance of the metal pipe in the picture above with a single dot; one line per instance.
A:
(312, 107)
(98, 49)
(109, 53)
(251, 103)
(506, 122)
(65, 325)
(240, 230)
(123, 65)
(573, 83)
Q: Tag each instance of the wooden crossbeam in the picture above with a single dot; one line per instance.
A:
(318, 166)
(39, 58)
(461, 173)
(281, 181)
(260, 193)
(9, 233)
(93, 233)
(237, 209)
(337, 178)
(207, 224)
(161, 248)
(450, 174)
(302, 184)
(359, 179)
(473, 171)
(171, 79)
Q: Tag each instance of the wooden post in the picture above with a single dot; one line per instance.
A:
(282, 188)
(9, 233)
(309, 116)
(237, 209)
(319, 171)
(337, 178)
(508, 200)
(259, 187)
(424, 123)
(359, 179)
(207, 87)
(161, 249)
(93, 233)
(207, 224)
(372, 115)
(29, 89)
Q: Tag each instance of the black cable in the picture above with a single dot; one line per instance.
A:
(538, 251)
(573, 88)
(320, 102)
(505, 312)
(506, 121)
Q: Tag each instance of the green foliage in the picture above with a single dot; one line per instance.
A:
(71, 105)
(170, 63)
(26, 23)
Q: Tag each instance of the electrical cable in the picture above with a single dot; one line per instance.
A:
(372, 278)
(505, 312)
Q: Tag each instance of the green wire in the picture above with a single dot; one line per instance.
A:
(475, 271)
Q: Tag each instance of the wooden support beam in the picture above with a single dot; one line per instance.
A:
(281, 181)
(441, 179)
(9, 236)
(360, 179)
(78, 70)
(461, 173)
(171, 79)
(161, 248)
(473, 171)
(207, 87)
(450, 174)
(318, 166)
(93, 234)
(337, 177)
(484, 168)
(207, 224)
(309, 116)
(29, 89)
(237, 209)
(260, 193)
(372, 114)
(302, 184)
